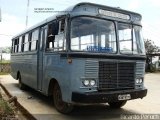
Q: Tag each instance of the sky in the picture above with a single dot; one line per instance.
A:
(14, 12)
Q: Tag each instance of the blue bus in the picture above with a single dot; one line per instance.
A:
(87, 54)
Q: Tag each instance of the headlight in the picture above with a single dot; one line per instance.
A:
(86, 82)
(139, 80)
(89, 82)
(92, 82)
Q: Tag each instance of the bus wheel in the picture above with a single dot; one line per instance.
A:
(117, 104)
(61, 106)
(20, 84)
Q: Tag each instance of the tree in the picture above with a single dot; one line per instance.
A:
(6, 49)
(151, 48)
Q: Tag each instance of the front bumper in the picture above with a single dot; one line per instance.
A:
(109, 96)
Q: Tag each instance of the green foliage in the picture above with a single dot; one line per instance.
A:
(151, 47)
(6, 49)
(153, 68)
(5, 108)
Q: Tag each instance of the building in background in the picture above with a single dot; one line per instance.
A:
(4, 53)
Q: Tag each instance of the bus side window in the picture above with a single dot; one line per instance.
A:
(20, 44)
(23, 40)
(52, 31)
(61, 25)
(12, 51)
(34, 39)
(30, 41)
(16, 45)
(26, 43)
(60, 41)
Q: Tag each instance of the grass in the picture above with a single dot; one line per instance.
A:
(7, 110)
(5, 61)
(4, 73)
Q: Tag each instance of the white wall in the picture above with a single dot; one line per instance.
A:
(6, 56)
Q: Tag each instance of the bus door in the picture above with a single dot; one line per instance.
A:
(43, 33)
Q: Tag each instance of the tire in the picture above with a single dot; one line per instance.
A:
(20, 84)
(59, 104)
(117, 104)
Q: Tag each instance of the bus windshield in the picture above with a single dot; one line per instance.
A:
(92, 34)
(98, 35)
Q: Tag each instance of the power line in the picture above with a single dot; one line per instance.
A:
(52, 2)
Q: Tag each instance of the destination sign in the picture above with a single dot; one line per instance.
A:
(114, 14)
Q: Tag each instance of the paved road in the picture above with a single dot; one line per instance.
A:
(42, 107)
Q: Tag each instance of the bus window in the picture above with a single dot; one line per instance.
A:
(60, 42)
(26, 43)
(52, 31)
(23, 38)
(29, 41)
(125, 37)
(16, 45)
(61, 25)
(138, 44)
(12, 46)
(20, 44)
(93, 35)
(34, 40)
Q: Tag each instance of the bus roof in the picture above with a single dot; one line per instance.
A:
(79, 9)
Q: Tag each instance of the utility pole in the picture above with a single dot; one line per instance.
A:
(27, 13)
(0, 12)
(0, 15)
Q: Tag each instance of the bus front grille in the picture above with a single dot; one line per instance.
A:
(116, 75)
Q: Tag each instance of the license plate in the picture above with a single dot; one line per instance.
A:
(124, 97)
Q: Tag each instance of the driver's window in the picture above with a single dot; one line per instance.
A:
(52, 32)
(60, 41)
(56, 36)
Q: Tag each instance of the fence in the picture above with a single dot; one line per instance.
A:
(5, 67)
